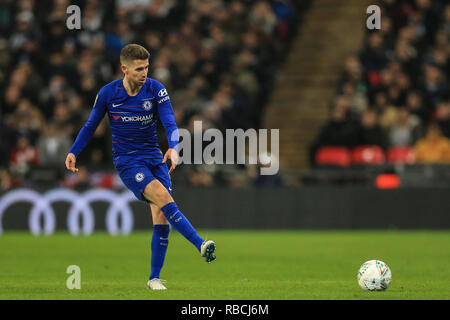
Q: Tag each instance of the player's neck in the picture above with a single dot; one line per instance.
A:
(131, 87)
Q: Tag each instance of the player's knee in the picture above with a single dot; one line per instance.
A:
(158, 194)
(162, 195)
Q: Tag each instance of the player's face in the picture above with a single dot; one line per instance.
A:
(137, 71)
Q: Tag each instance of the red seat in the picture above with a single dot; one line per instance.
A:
(368, 155)
(401, 155)
(387, 181)
(339, 156)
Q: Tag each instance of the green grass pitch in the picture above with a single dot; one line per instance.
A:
(282, 265)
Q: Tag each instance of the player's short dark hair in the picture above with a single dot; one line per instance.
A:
(133, 52)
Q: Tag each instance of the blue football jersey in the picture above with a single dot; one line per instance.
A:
(133, 120)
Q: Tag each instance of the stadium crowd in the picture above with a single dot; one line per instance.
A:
(217, 59)
(395, 92)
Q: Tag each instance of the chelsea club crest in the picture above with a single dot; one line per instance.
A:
(147, 105)
(139, 176)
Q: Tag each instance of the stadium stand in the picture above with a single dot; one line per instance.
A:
(400, 79)
(217, 59)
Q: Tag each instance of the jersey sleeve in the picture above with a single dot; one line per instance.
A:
(88, 130)
(166, 115)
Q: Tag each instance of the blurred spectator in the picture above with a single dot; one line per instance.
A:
(235, 22)
(62, 119)
(53, 146)
(446, 20)
(416, 107)
(434, 147)
(353, 73)
(260, 180)
(370, 132)
(443, 118)
(406, 130)
(434, 87)
(262, 17)
(120, 36)
(358, 100)
(26, 120)
(387, 112)
(340, 130)
(7, 181)
(200, 178)
(406, 54)
(285, 14)
(373, 56)
(5, 146)
(23, 156)
(56, 92)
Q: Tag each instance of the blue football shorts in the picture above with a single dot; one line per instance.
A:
(138, 173)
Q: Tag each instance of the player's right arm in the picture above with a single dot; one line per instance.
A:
(88, 130)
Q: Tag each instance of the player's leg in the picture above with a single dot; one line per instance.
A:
(160, 241)
(157, 194)
(136, 176)
(157, 215)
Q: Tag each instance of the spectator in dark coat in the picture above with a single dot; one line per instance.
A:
(340, 130)
(443, 117)
(370, 132)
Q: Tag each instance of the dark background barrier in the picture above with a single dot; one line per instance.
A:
(317, 208)
(285, 208)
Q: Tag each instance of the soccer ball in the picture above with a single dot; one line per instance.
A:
(374, 275)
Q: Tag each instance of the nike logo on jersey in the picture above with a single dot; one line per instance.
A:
(116, 105)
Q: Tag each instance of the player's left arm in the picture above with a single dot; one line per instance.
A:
(165, 113)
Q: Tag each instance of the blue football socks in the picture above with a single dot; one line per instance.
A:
(160, 241)
(181, 224)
